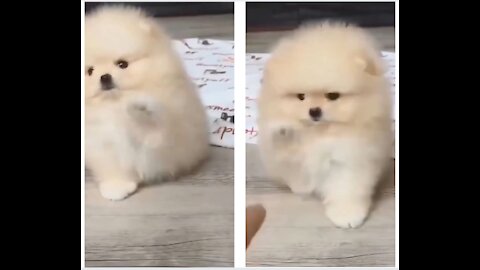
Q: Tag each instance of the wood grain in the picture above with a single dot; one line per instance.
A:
(188, 222)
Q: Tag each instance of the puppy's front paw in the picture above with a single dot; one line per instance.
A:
(117, 190)
(347, 214)
(283, 134)
(139, 111)
(143, 110)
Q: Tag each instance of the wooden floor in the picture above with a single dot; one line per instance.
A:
(296, 231)
(184, 223)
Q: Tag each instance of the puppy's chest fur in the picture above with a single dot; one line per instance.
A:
(324, 154)
(107, 131)
(320, 156)
(106, 126)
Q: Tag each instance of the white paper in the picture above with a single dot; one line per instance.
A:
(210, 64)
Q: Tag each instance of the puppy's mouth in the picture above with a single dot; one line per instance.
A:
(323, 122)
(315, 121)
(105, 92)
(108, 87)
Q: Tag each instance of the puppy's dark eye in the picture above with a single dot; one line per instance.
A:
(332, 95)
(90, 71)
(122, 64)
(301, 96)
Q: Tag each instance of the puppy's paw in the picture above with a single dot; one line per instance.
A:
(347, 214)
(117, 190)
(144, 110)
(283, 134)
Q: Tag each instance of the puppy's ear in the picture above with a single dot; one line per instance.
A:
(369, 65)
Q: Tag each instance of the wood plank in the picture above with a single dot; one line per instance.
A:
(188, 222)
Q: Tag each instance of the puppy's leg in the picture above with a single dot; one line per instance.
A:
(144, 111)
(290, 157)
(347, 196)
(114, 182)
(145, 118)
(283, 135)
(299, 179)
(301, 186)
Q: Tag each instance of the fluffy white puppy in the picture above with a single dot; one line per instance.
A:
(324, 118)
(143, 116)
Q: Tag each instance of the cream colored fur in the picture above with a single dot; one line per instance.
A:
(342, 156)
(152, 125)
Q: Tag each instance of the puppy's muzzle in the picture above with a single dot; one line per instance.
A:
(315, 113)
(106, 81)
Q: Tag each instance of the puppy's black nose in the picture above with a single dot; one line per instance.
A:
(315, 113)
(106, 81)
(106, 78)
